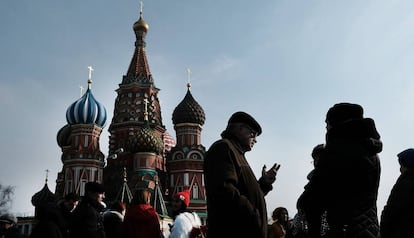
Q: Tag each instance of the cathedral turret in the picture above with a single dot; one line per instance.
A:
(185, 161)
(43, 199)
(82, 158)
(86, 110)
(137, 123)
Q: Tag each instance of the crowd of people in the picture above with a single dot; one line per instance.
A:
(338, 201)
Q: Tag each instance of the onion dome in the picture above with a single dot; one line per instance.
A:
(86, 110)
(169, 141)
(43, 197)
(63, 136)
(145, 140)
(188, 111)
(140, 25)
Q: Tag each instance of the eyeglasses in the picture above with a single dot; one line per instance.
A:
(251, 131)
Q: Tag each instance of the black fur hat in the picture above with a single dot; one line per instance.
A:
(94, 187)
(406, 158)
(342, 112)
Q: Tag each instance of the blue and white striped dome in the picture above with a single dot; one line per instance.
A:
(86, 110)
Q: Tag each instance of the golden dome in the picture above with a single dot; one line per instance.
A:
(141, 25)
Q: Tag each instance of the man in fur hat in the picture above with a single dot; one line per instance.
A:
(87, 220)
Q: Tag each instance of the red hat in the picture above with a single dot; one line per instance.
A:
(183, 196)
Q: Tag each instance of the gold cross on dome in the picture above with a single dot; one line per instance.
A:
(90, 77)
(146, 109)
(188, 77)
(90, 72)
(47, 175)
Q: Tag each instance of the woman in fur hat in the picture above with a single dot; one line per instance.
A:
(345, 182)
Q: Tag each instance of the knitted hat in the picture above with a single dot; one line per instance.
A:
(242, 117)
(342, 112)
(406, 158)
(183, 196)
(94, 187)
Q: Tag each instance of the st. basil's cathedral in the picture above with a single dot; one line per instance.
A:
(141, 151)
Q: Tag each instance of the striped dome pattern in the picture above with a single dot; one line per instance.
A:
(86, 110)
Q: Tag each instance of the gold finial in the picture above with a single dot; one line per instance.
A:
(188, 78)
(47, 174)
(140, 25)
(90, 77)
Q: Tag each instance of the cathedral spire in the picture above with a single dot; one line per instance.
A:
(138, 70)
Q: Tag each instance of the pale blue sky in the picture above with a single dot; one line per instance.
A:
(285, 62)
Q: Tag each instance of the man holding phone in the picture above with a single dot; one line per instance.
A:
(236, 206)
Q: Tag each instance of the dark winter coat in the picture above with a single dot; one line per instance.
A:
(397, 218)
(345, 182)
(52, 222)
(46, 229)
(113, 223)
(12, 232)
(235, 199)
(86, 220)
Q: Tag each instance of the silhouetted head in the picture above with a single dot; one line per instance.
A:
(343, 112)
